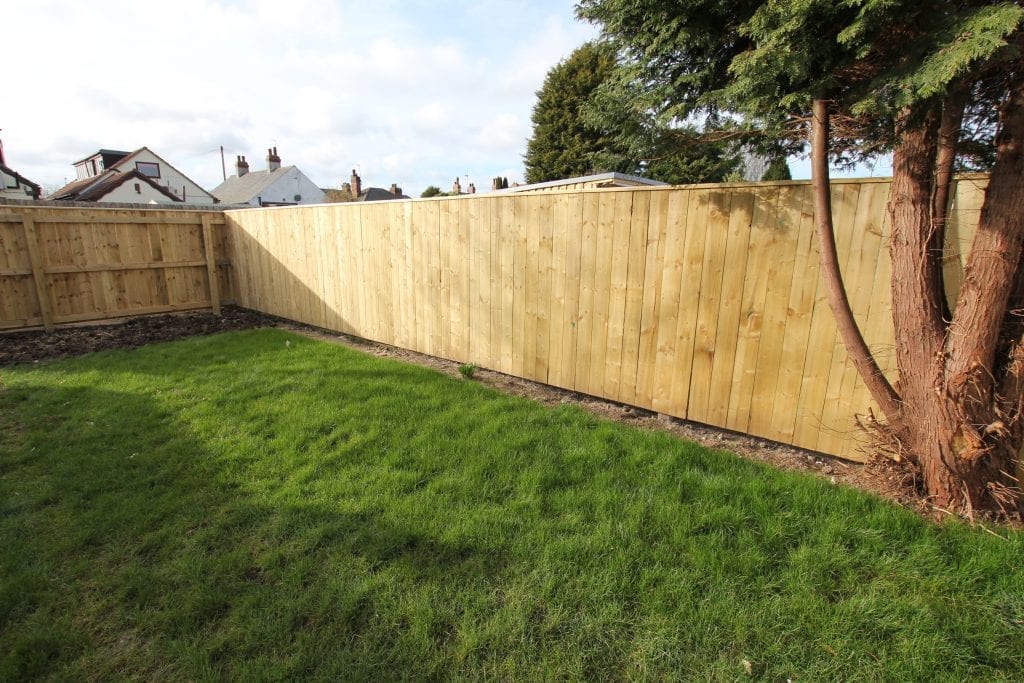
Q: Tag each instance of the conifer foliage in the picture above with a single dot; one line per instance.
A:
(563, 144)
(777, 169)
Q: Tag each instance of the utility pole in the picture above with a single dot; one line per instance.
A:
(223, 168)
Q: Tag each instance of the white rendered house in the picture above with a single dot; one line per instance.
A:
(141, 176)
(276, 186)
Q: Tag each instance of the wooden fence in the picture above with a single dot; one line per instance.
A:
(61, 265)
(701, 302)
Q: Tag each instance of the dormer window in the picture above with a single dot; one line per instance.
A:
(148, 169)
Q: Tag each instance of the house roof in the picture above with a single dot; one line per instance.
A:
(241, 190)
(21, 179)
(73, 188)
(378, 194)
(114, 157)
(95, 188)
(105, 153)
(633, 179)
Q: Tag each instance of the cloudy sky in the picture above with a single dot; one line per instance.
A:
(410, 92)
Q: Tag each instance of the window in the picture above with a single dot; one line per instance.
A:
(150, 170)
(138, 188)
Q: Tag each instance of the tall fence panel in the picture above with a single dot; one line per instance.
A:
(62, 265)
(701, 302)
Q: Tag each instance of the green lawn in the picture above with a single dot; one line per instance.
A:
(259, 505)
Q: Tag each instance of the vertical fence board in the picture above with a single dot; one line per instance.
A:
(689, 298)
(755, 288)
(530, 274)
(657, 222)
(796, 341)
(618, 279)
(588, 268)
(708, 304)
(669, 304)
(730, 310)
(38, 276)
(556, 270)
(633, 313)
(785, 235)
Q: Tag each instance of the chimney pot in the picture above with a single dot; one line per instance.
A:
(241, 166)
(357, 184)
(273, 161)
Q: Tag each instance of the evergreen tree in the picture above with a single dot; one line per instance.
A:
(777, 169)
(682, 157)
(936, 82)
(575, 134)
(432, 191)
(563, 144)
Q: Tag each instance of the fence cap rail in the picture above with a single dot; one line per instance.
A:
(506, 195)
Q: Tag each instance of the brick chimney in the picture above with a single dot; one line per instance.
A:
(472, 188)
(396, 190)
(241, 166)
(456, 188)
(357, 184)
(273, 161)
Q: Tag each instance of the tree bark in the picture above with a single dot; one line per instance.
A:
(925, 427)
(945, 162)
(958, 423)
(883, 392)
(990, 277)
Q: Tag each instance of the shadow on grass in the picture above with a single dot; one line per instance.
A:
(133, 548)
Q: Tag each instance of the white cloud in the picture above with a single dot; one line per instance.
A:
(414, 94)
(506, 133)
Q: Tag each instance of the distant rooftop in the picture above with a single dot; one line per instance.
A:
(240, 190)
(610, 178)
(114, 154)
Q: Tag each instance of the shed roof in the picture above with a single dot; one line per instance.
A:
(597, 177)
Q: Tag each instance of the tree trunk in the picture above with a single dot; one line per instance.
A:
(856, 347)
(924, 428)
(945, 162)
(962, 432)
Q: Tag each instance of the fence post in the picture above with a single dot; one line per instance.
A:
(38, 274)
(211, 264)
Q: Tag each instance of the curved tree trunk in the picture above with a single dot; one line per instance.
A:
(856, 347)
